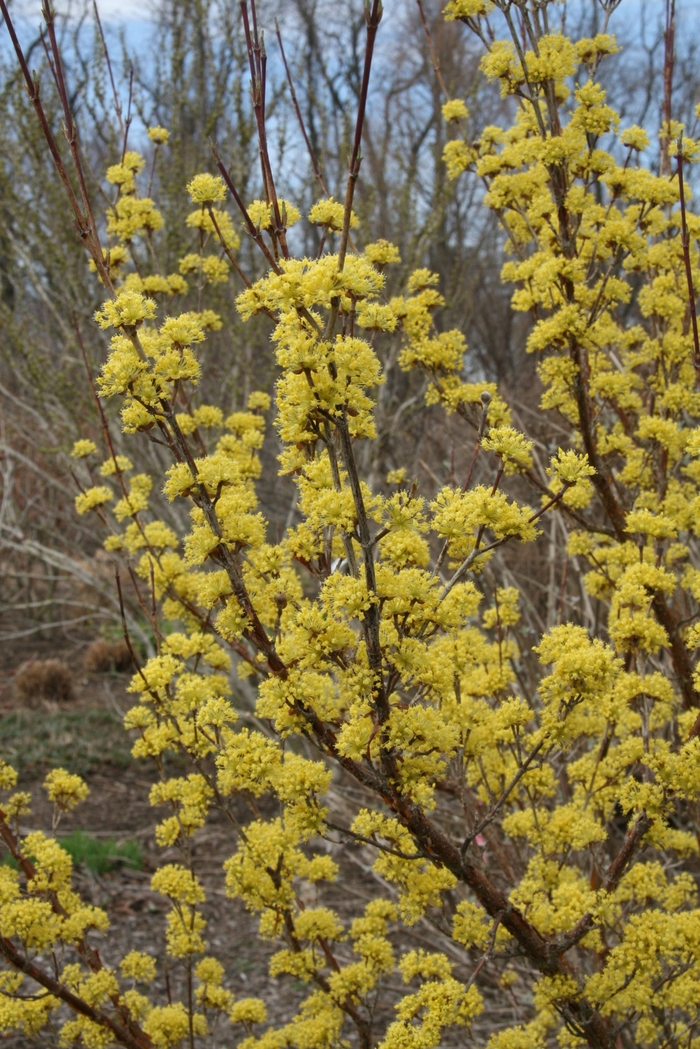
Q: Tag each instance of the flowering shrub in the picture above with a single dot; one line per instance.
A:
(552, 831)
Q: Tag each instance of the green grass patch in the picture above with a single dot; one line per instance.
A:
(77, 740)
(101, 854)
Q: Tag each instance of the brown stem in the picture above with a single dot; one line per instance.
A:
(226, 248)
(100, 410)
(600, 479)
(479, 551)
(89, 955)
(485, 402)
(431, 48)
(372, 17)
(372, 619)
(125, 631)
(132, 1036)
(680, 657)
(538, 950)
(223, 555)
(115, 96)
(71, 131)
(318, 175)
(252, 228)
(493, 812)
(372, 616)
(685, 241)
(669, 59)
(487, 953)
(258, 61)
(679, 654)
(587, 525)
(633, 838)
(82, 223)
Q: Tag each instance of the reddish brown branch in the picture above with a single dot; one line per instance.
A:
(71, 132)
(685, 241)
(372, 17)
(132, 1036)
(250, 225)
(115, 96)
(257, 60)
(84, 222)
(669, 61)
(431, 48)
(633, 839)
(226, 248)
(300, 119)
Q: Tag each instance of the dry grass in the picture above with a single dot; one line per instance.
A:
(44, 679)
(103, 657)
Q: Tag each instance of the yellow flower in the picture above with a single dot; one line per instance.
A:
(455, 109)
(510, 446)
(8, 776)
(466, 9)
(330, 213)
(81, 449)
(138, 966)
(159, 135)
(248, 1011)
(92, 498)
(457, 156)
(178, 883)
(206, 189)
(65, 789)
(262, 214)
(129, 309)
(382, 253)
(636, 138)
(110, 466)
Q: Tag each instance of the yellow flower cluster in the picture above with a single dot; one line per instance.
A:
(65, 789)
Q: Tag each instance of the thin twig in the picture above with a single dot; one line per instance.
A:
(117, 103)
(258, 63)
(127, 122)
(376, 844)
(488, 953)
(100, 410)
(297, 109)
(82, 220)
(226, 248)
(132, 1037)
(125, 630)
(255, 233)
(669, 59)
(479, 552)
(372, 18)
(485, 402)
(685, 241)
(71, 130)
(493, 812)
(431, 48)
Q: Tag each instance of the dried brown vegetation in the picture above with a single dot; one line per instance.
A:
(44, 679)
(103, 656)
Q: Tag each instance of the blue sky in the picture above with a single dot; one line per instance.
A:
(133, 17)
(110, 10)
